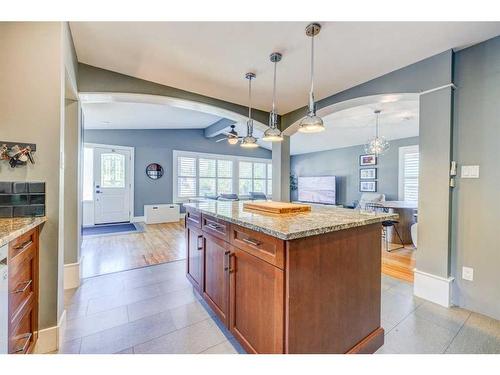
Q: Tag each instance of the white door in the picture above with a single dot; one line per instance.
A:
(112, 185)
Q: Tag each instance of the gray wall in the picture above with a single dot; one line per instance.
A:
(476, 202)
(344, 163)
(155, 146)
(31, 110)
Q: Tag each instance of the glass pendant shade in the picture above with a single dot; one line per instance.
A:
(312, 123)
(377, 145)
(272, 135)
(249, 142)
(232, 140)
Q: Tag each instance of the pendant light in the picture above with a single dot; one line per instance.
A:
(249, 141)
(273, 134)
(377, 145)
(312, 123)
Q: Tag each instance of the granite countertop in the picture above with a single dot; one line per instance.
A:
(11, 228)
(290, 226)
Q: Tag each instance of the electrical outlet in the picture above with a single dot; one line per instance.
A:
(468, 273)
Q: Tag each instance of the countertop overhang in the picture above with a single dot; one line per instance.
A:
(320, 220)
(11, 228)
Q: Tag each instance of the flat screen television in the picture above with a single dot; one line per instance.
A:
(317, 189)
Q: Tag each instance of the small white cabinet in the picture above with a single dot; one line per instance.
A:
(161, 213)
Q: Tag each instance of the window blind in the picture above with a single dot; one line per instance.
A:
(410, 176)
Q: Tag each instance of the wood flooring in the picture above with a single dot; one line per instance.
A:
(162, 243)
(399, 263)
(159, 243)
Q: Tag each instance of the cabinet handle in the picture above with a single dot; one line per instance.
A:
(23, 348)
(227, 252)
(200, 247)
(214, 226)
(251, 241)
(22, 289)
(23, 246)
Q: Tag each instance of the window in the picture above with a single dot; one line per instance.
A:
(255, 176)
(200, 175)
(408, 173)
(88, 174)
(112, 170)
(186, 177)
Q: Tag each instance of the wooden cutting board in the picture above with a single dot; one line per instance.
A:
(276, 207)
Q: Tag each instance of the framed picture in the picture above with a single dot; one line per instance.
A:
(368, 173)
(368, 186)
(368, 159)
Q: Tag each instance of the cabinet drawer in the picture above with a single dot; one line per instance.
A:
(21, 280)
(215, 227)
(193, 217)
(23, 335)
(265, 247)
(22, 244)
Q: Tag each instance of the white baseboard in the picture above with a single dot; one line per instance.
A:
(433, 288)
(138, 219)
(50, 338)
(72, 275)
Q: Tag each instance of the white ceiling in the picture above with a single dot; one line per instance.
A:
(211, 58)
(354, 126)
(126, 115)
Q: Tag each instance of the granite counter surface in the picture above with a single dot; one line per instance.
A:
(11, 228)
(290, 226)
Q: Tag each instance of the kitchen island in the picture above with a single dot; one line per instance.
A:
(291, 283)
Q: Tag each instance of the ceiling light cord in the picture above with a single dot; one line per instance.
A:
(311, 93)
(250, 122)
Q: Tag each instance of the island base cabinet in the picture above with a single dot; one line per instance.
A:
(256, 303)
(194, 263)
(216, 273)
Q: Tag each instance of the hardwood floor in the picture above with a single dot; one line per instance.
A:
(159, 243)
(399, 263)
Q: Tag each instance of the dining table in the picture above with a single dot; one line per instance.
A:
(406, 211)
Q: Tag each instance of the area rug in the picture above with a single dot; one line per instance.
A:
(108, 229)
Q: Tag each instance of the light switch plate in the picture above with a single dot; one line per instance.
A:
(470, 171)
(468, 273)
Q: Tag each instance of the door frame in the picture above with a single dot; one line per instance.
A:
(130, 171)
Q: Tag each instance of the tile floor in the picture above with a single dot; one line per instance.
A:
(154, 310)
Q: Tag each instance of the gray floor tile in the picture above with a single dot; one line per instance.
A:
(479, 335)
(122, 298)
(385, 350)
(451, 318)
(224, 348)
(87, 325)
(70, 347)
(161, 303)
(396, 306)
(128, 335)
(189, 340)
(76, 310)
(188, 314)
(126, 351)
(416, 335)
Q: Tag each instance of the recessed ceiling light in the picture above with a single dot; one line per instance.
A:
(106, 122)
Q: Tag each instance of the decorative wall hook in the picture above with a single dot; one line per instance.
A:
(17, 154)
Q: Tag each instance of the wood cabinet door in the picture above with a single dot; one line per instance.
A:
(256, 303)
(194, 256)
(216, 274)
